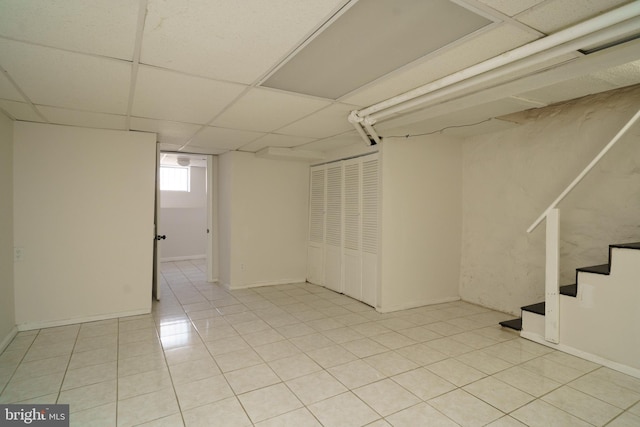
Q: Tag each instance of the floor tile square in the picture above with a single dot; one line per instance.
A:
(423, 383)
(498, 394)
(356, 374)
(421, 414)
(269, 402)
(386, 397)
(465, 409)
(251, 378)
(227, 412)
(541, 414)
(390, 363)
(315, 387)
(582, 406)
(202, 392)
(343, 410)
(294, 366)
(455, 372)
(298, 418)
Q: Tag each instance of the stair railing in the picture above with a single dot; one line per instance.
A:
(552, 246)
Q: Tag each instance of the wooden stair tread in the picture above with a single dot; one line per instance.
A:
(596, 269)
(569, 290)
(512, 324)
(535, 308)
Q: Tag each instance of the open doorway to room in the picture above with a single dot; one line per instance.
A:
(185, 212)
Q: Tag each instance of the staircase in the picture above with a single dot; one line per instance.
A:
(604, 300)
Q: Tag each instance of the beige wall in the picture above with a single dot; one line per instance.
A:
(183, 219)
(263, 220)
(509, 179)
(7, 314)
(83, 213)
(421, 221)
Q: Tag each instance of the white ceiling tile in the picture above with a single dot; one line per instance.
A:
(8, 90)
(265, 110)
(570, 89)
(334, 143)
(221, 138)
(554, 15)
(102, 27)
(275, 140)
(426, 122)
(511, 7)
(168, 95)
(63, 79)
(168, 132)
(64, 116)
(324, 123)
(354, 51)
(623, 75)
(20, 111)
(228, 39)
(486, 45)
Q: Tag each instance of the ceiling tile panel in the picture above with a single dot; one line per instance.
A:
(83, 118)
(334, 143)
(322, 124)
(486, 45)
(168, 132)
(8, 90)
(574, 88)
(275, 140)
(168, 95)
(20, 111)
(511, 7)
(101, 27)
(265, 110)
(228, 39)
(226, 139)
(554, 15)
(65, 79)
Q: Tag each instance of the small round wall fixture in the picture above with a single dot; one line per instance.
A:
(184, 161)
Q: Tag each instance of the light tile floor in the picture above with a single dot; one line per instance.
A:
(300, 355)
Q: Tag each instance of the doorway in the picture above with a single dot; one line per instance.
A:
(185, 214)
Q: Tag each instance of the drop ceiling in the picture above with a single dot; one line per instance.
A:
(212, 76)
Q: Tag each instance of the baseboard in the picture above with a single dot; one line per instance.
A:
(8, 338)
(415, 304)
(259, 284)
(583, 355)
(182, 258)
(53, 323)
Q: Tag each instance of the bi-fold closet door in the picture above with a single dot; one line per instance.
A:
(343, 231)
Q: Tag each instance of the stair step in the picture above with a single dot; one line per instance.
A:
(596, 269)
(512, 324)
(535, 308)
(569, 290)
(635, 245)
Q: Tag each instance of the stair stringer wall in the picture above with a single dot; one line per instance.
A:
(604, 318)
(602, 323)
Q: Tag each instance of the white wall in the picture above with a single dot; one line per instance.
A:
(83, 213)
(183, 219)
(421, 221)
(263, 209)
(509, 179)
(7, 313)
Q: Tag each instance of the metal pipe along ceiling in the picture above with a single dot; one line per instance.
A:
(532, 53)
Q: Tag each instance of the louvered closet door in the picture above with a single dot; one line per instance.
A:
(352, 254)
(370, 230)
(333, 228)
(315, 248)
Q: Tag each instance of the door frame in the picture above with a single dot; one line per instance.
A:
(212, 253)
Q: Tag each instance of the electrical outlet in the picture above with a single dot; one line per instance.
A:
(242, 267)
(18, 254)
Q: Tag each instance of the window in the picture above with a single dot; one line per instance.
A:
(174, 178)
